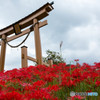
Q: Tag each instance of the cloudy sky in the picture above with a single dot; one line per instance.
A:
(75, 22)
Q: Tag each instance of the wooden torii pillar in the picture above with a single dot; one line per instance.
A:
(37, 42)
(3, 53)
(15, 31)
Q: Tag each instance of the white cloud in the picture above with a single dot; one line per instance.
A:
(83, 34)
(75, 22)
(83, 42)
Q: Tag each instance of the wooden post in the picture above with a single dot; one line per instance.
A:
(24, 56)
(3, 51)
(37, 43)
(50, 63)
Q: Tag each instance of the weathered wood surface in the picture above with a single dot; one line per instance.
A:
(24, 56)
(39, 14)
(41, 24)
(3, 53)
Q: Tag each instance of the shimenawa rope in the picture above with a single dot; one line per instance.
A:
(22, 41)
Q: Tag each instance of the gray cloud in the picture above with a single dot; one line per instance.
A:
(75, 22)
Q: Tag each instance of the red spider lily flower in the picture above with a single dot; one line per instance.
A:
(77, 80)
(47, 77)
(97, 83)
(77, 97)
(53, 87)
(89, 91)
(39, 94)
(68, 83)
(11, 96)
(76, 73)
(2, 82)
(25, 84)
(97, 63)
(39, 84)
(76, 60)
(34, 82)
(97, 66)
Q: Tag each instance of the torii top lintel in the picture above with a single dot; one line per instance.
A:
(39, 14)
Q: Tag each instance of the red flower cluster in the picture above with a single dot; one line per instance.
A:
(46, 83)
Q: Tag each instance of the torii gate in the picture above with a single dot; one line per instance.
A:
(15, 30)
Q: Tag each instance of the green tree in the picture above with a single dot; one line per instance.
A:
(55, 56)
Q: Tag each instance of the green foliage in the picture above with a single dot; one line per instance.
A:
(55, 56)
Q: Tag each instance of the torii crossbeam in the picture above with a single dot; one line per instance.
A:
(15, 30)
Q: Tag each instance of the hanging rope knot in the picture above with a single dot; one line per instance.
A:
(35, 24)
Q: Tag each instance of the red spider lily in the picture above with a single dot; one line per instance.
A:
(76, 97)
(2, 82)
(68, 83)
(97, 83)
(25, 84)
(47, 77)
(11, 96)
(53, 87)
(39, 94)
(41, 82)
(76, 73)
(76, 60)
(89, 91)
